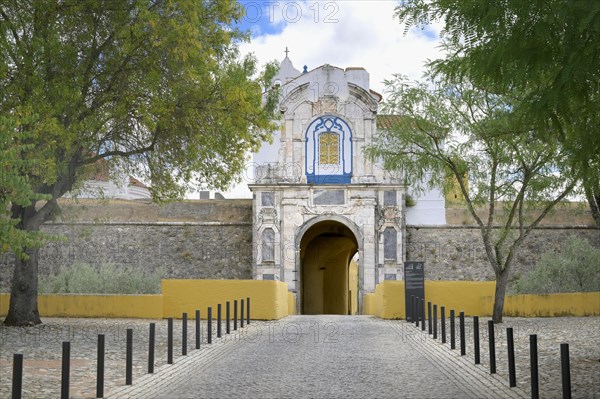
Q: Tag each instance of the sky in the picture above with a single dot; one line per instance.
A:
(351, 33)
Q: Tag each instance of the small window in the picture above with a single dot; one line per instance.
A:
(389, 198)
(390, 243)
(329, 149)
(268, 245)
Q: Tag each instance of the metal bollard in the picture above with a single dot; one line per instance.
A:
(492, 344)
(248, 310)
(184, 334)
(235, 312)
(533, 357)
(241, 313)
(227, 317)
(17, 377)
(151, 344)
(566, 371)
(463, 344)
(452, 330)
(66, 370)
(434, 321)
(198, 332)
(129, 358)
(100, 367)
(170, 340)
(512, 374)
(219, 321)
(417, 312)
(476, 339)
(209, 326)
(443, 323)
(430, 329)
(422, 314)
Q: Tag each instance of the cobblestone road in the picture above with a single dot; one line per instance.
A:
(320, 357)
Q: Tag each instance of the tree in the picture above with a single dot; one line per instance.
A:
(547, 50)
(514, 177)
(155, 87)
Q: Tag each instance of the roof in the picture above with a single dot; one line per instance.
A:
(388, 121)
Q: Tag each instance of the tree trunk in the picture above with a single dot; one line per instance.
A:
(499, 294)
(23, 308)
(594, 202)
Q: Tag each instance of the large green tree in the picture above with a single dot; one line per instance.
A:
(509, 176)
(547, 50)
(155, 87)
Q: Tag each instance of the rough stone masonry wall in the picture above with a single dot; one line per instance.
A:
(457, 253)
(189, 239)
(213, 239)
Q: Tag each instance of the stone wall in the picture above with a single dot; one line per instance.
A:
(213, 240)
(457, 253)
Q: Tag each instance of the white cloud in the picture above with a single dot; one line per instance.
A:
(345, 33)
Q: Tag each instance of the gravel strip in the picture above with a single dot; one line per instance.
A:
(581, 333)
(41, 347)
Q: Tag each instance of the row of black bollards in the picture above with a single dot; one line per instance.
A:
(417, 312)
(17, 376)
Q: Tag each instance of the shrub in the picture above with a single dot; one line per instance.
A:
(82, 278)
(575, 269)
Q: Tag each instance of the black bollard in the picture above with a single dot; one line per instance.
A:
(248, 310)
(17, 377)
(170, 340)
(100, 367)
(66, 370)
(566, 371)
(198, 333)
(443, 323)
(241, 313)
(452, 330)
(533, 357)
(512, 374)
(219, 321)
(184, 334)
(227, 317)
(463, 344)
(151, 343)
(430, 329)
(476, 339)
(129, 358)
(492, 344)
(434, 321)
(235, 312)
(209, 326)
(417, 312)
(422, 314)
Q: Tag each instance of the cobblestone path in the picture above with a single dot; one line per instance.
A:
(319, 357)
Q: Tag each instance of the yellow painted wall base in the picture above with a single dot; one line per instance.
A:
(268, 298)
(476, 298)
(72, 305)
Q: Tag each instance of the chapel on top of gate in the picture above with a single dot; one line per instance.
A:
(326, 220)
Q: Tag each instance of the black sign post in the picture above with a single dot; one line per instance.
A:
(414, 284)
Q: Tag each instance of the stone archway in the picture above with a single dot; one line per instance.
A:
(328, 283)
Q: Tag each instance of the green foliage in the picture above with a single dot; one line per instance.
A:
(82, 278)
(158, 88)
(576, 268)
(454, 127)
(547, 51)
(14, 189)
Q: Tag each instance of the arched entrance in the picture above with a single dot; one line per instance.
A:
(328, 272)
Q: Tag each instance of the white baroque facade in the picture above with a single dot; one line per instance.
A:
(319, 203)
